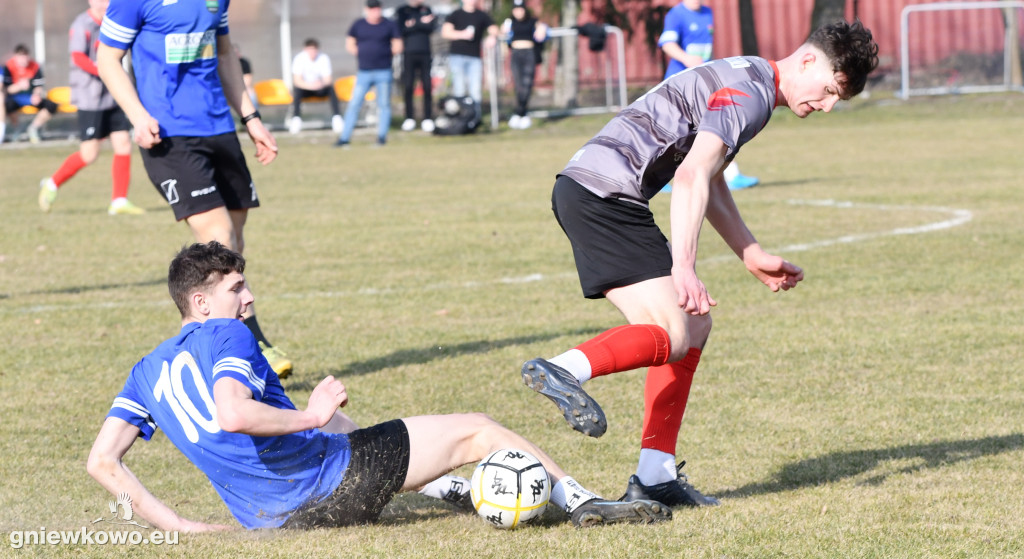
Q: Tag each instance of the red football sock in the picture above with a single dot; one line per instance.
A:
(71, 165)
(120, 171)
(625, 348)
(665, 396)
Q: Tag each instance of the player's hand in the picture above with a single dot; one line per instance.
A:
(773, 271)
(266, 145)
(326, 398)
(147, 132)
(693, 296)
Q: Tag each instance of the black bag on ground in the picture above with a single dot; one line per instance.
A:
(458, 115)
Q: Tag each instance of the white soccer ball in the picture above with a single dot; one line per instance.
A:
(510, 487)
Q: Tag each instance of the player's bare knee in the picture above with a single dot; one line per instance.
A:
(692, 331)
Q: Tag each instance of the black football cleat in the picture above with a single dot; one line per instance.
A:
(562, 388)
(675, 493)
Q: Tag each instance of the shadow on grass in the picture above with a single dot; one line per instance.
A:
(420, 356)
(75, 289)
(835, 467)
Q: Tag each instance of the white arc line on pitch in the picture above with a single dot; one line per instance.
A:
(956, 217)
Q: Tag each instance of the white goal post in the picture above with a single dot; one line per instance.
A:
(1011, 41)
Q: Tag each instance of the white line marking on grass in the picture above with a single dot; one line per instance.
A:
(956, 217)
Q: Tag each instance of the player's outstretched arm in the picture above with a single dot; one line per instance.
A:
(238, 412)
(725, 217)
(105, 466)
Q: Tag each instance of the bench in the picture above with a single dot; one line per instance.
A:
(59, 95)
(274, 92)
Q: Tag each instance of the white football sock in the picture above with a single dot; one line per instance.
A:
(731, 171)
(576, 362)
(3, 131)
(444, 485)
(655, 467)
(567, 494)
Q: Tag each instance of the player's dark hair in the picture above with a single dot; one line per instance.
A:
(197, 267)
(851, 49)
(312, 43)
(20, 49)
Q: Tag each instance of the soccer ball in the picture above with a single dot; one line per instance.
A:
(510, 487)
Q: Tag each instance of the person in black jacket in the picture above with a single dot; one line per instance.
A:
(524, 35)
(416, 22)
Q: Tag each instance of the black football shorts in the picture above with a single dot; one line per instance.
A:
(615, 243)
(380, 461)
(196, 174)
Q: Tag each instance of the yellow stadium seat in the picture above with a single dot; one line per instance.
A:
(273, 92)
(62, 96)
(344, 86)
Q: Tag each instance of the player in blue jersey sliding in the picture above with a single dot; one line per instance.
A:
(187, 80)
(685, 131)
(214, 395)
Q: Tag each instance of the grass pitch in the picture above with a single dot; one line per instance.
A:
(875, 411)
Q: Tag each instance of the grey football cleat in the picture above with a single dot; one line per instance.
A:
(579, 409)
(597, 512)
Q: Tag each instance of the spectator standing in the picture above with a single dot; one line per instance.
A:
(468, 28)
(525, 35)
(99, 117)
(311, 77)
(416, 22)
(374, 41)
(23, 86)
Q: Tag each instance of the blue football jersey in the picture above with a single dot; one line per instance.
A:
(174, 56)
(692, 30)
(261, 479)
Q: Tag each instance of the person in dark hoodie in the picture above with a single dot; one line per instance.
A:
(416, 22)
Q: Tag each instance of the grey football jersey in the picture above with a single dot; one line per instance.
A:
(87, 91)
(636, 154)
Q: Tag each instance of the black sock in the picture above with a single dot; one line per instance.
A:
(254, 327)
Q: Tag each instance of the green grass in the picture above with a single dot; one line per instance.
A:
(875, 411)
